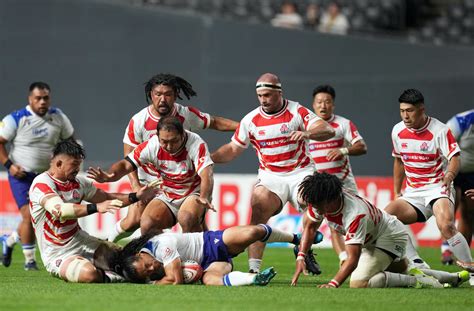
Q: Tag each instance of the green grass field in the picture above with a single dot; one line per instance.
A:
(21, 290)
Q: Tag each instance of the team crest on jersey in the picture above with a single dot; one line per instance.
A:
(183, 167)
(424, 146)
(284, 129)
(261, 133)
(58, 262)
(76, 195)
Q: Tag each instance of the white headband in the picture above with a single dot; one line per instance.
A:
(268, 86)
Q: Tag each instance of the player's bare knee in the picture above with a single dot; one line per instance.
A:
(79, 270)
(147, 225)
(447, 229)
(188, 221)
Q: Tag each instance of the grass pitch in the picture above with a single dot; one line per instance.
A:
(22, 290)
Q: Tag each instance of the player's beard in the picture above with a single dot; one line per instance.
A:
(164, 110)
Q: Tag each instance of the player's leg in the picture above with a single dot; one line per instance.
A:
(27, 238)
(77, 269)
(156, 217)
(220, 273)
(466, 221)
(127, 225)
(371, 262)
(443, 210)
(191, 214)
(264, 204)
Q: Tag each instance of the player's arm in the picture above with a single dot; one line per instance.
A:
(133, 176)
(173, 274)
(353, 255)
(319, 131)
(144, 193)
(207, 184)
(14, 169)
(310, 227)
(227, 153)
(65, 211)
(223, 124)
(452, 170)
(398, 176)
(358, 148)
(114, 173)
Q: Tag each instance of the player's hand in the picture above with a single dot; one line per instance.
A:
(447, 181)
(17, 171)
(326, 286)
(300, 268)
(299, 135)
(334, 155)
(470, 194)
(109, 206)
(99, 175)
(149, 191)
(206, 203)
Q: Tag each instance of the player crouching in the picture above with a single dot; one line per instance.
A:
(67, 251)
(157, 259)
(375, 241)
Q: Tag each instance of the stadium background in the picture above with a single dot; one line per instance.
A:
(96, 55)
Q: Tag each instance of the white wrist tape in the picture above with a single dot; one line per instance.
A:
(67, 211)
(342, 256)
(60, 210)
(344, 151)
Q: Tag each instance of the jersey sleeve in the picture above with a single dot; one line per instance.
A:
(395, 147)
(241, 135)
(455, 127)
(131, 137)
(313, 214)
(197, 119)
(88, 187)
(200, 156)
(39, 190)
(167, 250)
(67, 129)
(8, 128)
(357, 230)
(351, 134)
(448, 144)
(307, 117)
(142, 154)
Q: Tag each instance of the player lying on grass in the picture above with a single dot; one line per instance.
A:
(157, 259)
(56, 196)
(375, 241)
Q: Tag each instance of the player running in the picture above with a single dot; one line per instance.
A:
(157, 259)
(375, 241)
(278, 130)
(56, 195)
(181, 160)
(161, 93)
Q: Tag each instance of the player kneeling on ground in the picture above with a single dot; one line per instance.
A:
(158, 259)
(375, 241)
(55, 195)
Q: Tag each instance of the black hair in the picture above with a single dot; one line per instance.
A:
(325, 89)
(123, 261)
(69, 147)
(320, 188)
(411, 96)
(170, 123)
(177, 83)
(39, 85)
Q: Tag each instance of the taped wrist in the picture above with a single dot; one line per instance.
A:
(8, 163)
(344, 151)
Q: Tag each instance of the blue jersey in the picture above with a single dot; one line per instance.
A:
(462, 127)
(32, 137)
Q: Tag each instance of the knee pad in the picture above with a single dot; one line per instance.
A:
(74, 269)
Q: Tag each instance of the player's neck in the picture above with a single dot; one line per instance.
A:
(339, 205)
(57, 176)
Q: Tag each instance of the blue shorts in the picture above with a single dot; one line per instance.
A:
(464, 181)
(21, 187)
(214, 249)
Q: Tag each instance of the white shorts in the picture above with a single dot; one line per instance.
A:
(174, 204)
(375, 258)
(421, 198)
(284, 185)
(82, 245)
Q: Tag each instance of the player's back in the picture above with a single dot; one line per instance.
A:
(167, 246)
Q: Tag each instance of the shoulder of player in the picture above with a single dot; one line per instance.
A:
(141, 115)
(398, 127)
(19, 114)
(193, 138)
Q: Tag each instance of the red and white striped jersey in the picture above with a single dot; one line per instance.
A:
(424, 152)
(358, 220)
(50, 233)
(142, 126)
(269, 135)
(346, 135)
(180, 172)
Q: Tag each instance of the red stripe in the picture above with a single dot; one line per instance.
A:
(337, 219)
(332, 170)
(175, 196)
(201, 155)
(354, 131)
(178, 178)
(423, 135)
(305, 115)
(279, 157)
(424, 170)
(69, 186)
(165, 156)
(138, 150)
(57, 223)
(61, 236)
(282, 118)
(150, 125)
(199, 115)
(355, 223)
(44, 188)
(131, 132)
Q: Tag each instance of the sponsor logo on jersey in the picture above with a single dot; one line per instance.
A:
(284, 129)
(40, 132)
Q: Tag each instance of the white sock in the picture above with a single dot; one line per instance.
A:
(399, 280)
(460, 247)
(13, 239)
(115, 232)
(442, 276)
(237, 278)
(411, 251)
(29, 251)
(255, 264)
(275, 235)
(445, 246)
